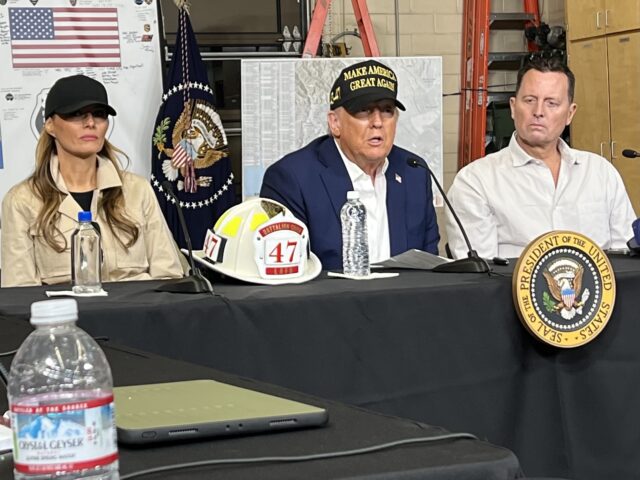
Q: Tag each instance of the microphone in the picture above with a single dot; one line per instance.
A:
(196, 282)
(634, 242)
(627, 152)
(473, 263)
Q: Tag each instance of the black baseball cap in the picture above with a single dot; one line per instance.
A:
(70, 94)
(363, 83)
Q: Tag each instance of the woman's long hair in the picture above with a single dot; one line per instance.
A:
(112, 202)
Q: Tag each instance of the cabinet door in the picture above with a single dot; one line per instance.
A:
(585, 18)
(624, 96)
(590, 126)
(622, 15)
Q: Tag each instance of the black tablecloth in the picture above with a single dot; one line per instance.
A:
(348, 428)
(445, 349)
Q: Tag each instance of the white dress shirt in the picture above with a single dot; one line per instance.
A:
(374, 197)
(508, 198)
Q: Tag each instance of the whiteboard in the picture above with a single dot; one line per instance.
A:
(133, 78)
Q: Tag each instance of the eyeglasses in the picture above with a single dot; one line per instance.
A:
(98, 114)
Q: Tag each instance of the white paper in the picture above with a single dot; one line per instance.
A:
(70, 293)
(371, 276)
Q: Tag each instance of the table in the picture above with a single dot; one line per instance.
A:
(348, 428)
(444, 349)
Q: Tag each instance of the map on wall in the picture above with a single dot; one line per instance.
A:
(285, 104)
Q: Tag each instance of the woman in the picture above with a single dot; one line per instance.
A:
(77, 169)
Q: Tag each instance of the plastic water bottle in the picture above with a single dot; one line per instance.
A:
(86, 256)
(61, 400)
(355, 241)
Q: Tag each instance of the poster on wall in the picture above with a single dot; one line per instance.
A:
(114, 41)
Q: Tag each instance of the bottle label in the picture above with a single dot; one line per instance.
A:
(64, 437)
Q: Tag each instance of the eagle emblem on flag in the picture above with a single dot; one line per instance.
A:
(197, 142)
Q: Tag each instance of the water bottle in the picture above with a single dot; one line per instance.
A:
(355, 242)
(61, 400)
(85, 256)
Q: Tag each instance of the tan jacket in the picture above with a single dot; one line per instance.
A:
(28, 260)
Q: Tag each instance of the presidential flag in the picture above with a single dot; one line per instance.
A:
(64, 37)
(189, 146)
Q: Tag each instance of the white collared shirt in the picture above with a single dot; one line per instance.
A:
(374, 197)
(508, 198)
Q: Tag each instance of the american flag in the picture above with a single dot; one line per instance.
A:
(64, 37)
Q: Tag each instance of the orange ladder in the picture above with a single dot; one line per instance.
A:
(363, 20)
(476, 61)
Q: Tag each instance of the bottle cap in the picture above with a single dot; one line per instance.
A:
(84, 216)
(353, 195)
(53, 312)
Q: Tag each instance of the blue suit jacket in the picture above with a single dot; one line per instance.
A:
(313, 183)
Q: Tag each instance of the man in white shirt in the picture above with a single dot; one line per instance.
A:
(538, 183)
(358, 155)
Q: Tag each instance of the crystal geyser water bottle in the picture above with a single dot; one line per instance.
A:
(355, 240)
(86, 256)
(61, 400)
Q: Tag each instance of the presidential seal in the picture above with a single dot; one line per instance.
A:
(564, 289)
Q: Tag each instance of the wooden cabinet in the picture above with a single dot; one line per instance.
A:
(621, 15)
(584, 18)
(592, 18)
(607, 71)
(624, 100)
(589, 130)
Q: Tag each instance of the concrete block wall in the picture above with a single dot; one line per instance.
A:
(434, 27)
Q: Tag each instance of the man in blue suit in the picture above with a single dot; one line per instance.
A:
(359, 154)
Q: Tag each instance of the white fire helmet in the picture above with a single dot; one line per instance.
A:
(260, 241)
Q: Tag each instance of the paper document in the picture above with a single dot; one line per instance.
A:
(371, 276)
(413, 259)
(71, 293)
